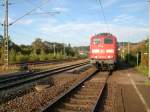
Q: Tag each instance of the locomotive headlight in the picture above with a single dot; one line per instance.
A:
(95, 51)
(110, 56)
(109, 51)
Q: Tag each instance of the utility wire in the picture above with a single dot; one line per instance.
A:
(42, 11)
(2, 4)
(50, 12)
(31, 3)
(101, 6)
(28, 13)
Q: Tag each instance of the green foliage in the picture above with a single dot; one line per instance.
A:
(1, 41)
(133, 59)
(42, 56)
(39, 51)
(12, 56)
(33, 57)
(143, 69)
(142, 49)
(22, 58)
(38, 46)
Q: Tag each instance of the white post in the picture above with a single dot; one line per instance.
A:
(123, 52)
(128, 52)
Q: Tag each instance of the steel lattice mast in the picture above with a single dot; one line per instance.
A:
(6, 37)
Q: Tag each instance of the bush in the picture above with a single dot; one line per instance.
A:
(12, 56)
(143, 69)
(22, 58)
(33, 57)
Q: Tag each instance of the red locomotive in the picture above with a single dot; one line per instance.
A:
(103, 51)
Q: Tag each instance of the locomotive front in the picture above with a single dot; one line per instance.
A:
(103, 51)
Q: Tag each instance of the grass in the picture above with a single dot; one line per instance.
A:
(147, 83)
(143, 70)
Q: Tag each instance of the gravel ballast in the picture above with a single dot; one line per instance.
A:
(33, 101)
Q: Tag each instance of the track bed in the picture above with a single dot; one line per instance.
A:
(83, 98)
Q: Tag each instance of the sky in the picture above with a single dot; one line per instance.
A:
(77, 20)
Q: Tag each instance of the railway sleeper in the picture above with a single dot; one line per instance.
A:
(88, 86)
(89, 90)
(77, 107)
(81, 101)
(64, 110)
(91, 83)
(87, 93)
(84, 97)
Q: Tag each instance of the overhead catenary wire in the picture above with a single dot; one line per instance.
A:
(31, 3)
(28, 13)
(42, 11)
(50, 12)
(103, 14)
(13, 2)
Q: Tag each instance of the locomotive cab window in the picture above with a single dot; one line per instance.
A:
(108, 41)
(96, 41)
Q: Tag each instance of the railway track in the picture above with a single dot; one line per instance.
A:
(82, 97)
(14, 81)
(54, 61)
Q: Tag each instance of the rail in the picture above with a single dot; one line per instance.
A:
(27, 78)
(52, 105)
(46, 108)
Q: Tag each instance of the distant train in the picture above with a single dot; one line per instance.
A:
(103, 51)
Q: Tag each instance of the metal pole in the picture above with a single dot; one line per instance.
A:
(64, 52)
(54, 49)
(123, 51)
(137, 59)
(149, 36)
(6, 38)
(128, 52)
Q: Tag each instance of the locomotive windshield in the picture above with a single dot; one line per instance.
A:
(96, 41)
(108, 41)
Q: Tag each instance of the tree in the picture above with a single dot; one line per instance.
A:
(38, 46)
(42, 56)
(12, 56)
(1, 41)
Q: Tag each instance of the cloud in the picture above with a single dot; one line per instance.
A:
(20, 22)
(60, 9)
(125, 19)
(80, 33)
(107, 3)
(25, 22)
(134, 6)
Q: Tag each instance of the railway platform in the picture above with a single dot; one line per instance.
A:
(141, 85)
(133, 91)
